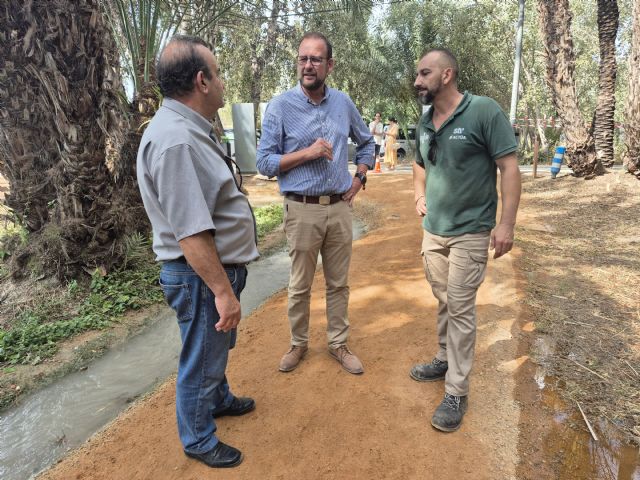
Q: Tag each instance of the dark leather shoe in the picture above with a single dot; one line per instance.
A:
(429, 372)
(221, 456)
(239, 406)
(448, 415)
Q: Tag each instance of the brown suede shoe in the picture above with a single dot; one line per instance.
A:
(292, 358)
(347, 359)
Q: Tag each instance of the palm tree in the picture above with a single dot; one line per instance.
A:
(604, 123)
(555, 27)
(60, 108)
(632, 117)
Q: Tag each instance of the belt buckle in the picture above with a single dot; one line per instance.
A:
(324, 200)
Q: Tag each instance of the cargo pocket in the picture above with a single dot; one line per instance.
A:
(477, 268)
(425, 266)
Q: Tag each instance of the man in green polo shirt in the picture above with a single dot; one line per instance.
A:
(461, 143)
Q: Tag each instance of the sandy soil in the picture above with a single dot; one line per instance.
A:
(319, 422)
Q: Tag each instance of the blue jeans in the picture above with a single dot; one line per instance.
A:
(202, 388)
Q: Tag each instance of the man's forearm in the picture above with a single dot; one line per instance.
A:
(292, 160)
(419, 178)
(510, 188)
(201, 253)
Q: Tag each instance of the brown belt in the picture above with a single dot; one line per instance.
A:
(322, 199)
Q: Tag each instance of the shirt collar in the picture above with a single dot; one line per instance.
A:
(464, 103)
(187, 112)
(300, 93)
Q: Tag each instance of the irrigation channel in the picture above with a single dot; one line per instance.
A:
(65, 414)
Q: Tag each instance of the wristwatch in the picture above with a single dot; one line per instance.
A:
(362, 177)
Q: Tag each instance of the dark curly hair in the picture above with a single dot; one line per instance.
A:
(176, 71)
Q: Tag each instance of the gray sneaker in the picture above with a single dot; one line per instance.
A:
(448, 415)
(429, 372)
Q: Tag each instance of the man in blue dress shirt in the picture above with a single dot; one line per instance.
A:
(304, 144)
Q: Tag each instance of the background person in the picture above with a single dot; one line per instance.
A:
(390, 142)
(377, 130)
(204, 235)
(461, 142)
(304, 144)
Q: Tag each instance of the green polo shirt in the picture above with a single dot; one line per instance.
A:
(461, 193)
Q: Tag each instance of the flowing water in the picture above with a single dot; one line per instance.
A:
(65, 414)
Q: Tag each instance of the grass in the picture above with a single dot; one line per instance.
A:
(38, 328)
(581, 264)
(268, 218)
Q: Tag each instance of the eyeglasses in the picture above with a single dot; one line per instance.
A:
(315, 61)
(235, 171)
(431, 156)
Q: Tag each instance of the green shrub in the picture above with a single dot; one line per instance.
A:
(268, 218)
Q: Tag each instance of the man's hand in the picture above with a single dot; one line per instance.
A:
(421, 206)
(320, 148)
(228, 308)
(350, 194)
(501, 239)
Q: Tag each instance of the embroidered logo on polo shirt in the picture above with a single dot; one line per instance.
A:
(458, 134)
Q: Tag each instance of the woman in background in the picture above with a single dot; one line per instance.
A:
(390, 142)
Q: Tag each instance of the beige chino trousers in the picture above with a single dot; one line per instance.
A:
(455, 267)
(313, 229)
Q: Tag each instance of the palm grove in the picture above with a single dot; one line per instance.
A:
(69, 130)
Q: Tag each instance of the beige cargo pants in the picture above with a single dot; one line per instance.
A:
(455, 267)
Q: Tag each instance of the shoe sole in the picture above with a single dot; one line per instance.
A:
(287, 369)
(445, 429)
(230, 465)
(421, 379)
(236, 414)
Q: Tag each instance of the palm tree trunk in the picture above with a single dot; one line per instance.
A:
(555, 26)
(60, 108)
(605, 108)
(632, 117)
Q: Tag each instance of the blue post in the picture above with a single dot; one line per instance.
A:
(556, 164)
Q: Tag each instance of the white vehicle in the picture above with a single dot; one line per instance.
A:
(407, 142)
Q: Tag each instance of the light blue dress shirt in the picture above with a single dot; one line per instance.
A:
(292, 122)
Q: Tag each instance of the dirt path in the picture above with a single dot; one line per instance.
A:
(319, 422)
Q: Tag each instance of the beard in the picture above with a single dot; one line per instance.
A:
(312, 85)
(425, 97)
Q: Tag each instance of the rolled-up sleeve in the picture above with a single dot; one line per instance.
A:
(361, 135)
(271, 146)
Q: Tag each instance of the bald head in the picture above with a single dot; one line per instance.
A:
(443, 58)
(178, 64)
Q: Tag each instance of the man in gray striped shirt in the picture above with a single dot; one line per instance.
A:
(304, 144)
